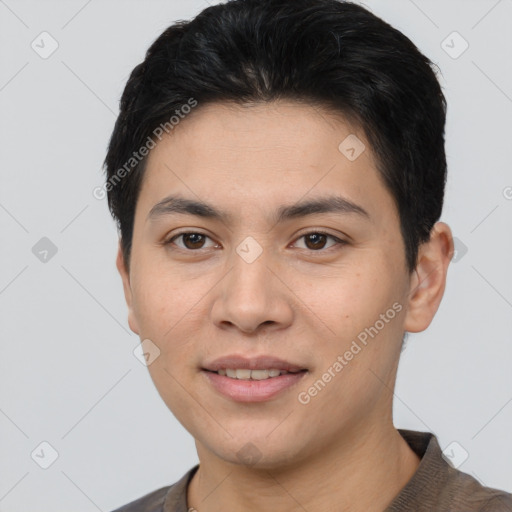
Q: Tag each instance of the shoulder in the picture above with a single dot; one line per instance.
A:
(151, 502)
(438, 485)
(172, 498)
(464, 492)
(501, 502)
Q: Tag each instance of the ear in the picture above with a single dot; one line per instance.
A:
(125, 276)
(429, 278)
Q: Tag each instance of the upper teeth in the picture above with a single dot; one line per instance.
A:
(245, 374)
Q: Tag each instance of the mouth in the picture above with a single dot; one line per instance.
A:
(247, 374)
(255, 379)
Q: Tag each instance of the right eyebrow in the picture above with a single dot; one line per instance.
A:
(177, 204)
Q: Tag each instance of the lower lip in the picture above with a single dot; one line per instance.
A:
(252, 390)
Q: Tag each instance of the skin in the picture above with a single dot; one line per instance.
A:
(301, 300)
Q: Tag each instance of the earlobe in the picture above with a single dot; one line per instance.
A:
(429, 278)
(125, 277)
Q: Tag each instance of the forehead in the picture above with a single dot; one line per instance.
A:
(252, 156)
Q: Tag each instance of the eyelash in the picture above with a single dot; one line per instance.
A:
(338, 245)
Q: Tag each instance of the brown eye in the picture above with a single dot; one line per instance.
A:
(316, 240)
(191, 241)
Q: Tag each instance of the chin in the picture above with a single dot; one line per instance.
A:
(258, 452)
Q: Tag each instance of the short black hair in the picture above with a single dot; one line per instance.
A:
(328, 53)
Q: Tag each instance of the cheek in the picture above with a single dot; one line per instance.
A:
(170, 311)
(353, 301)
(161, 300)
(364, 314)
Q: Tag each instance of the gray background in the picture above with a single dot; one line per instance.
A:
(68, 373)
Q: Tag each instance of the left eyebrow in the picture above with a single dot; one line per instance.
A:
(330, 204)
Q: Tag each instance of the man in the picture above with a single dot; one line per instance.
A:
(277, 173)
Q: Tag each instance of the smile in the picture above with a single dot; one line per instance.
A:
(246, 374)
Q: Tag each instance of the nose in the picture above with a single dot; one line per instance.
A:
(251, 297)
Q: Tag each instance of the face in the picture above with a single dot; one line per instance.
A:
(254, 279)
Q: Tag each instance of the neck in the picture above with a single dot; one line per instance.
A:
(363, 473)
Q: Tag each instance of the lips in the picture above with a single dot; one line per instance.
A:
(235, 362)
(255, 379)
